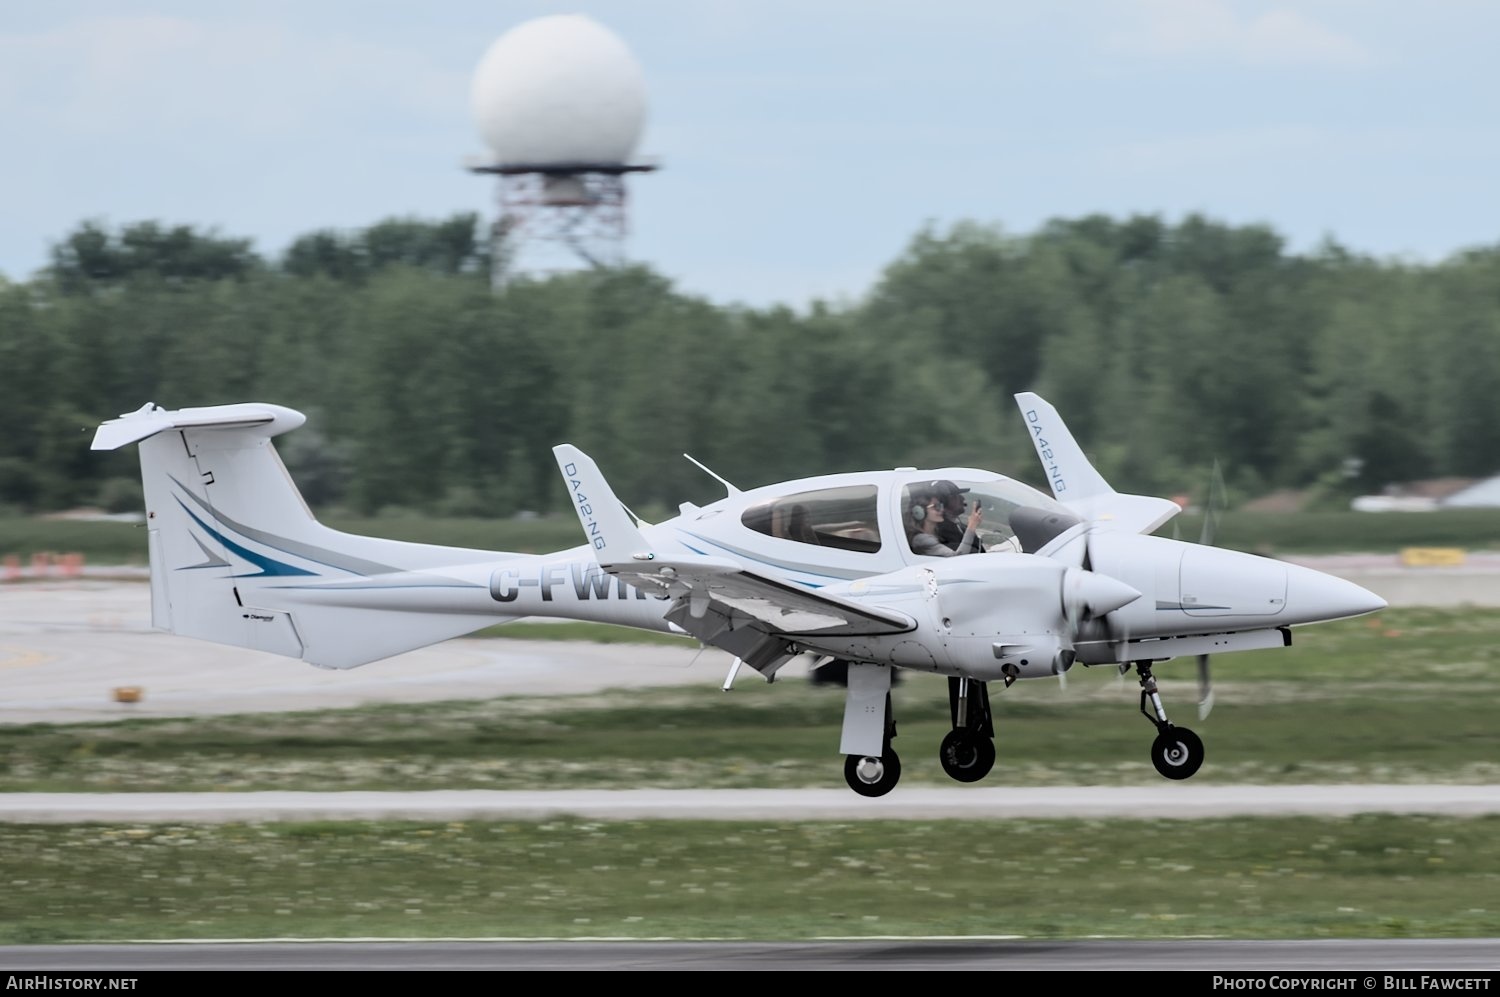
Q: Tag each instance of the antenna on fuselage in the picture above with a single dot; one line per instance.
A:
(702, 467)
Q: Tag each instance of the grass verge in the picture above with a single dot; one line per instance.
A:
(1363, 876)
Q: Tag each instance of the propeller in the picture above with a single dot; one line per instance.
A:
(1087, 595)
(1211, 507)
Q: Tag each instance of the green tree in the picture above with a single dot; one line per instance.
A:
(91, 255)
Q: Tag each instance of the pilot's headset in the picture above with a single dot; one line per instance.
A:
(916, 509)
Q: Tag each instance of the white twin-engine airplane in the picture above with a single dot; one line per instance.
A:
(823, 566)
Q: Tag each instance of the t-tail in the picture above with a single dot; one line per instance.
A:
(238, 558)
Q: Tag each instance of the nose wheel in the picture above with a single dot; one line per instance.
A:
(1177, 752)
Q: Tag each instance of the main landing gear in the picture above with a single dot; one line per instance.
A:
(1177, 752)
(968, 751)
(875, 775)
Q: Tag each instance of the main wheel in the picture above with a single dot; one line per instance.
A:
(967, 756)
(870, 775)
(1177, 753)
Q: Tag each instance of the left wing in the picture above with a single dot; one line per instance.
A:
(754, 617)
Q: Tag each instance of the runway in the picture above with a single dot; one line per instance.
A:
(1179, 801)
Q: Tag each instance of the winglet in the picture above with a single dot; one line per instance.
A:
(1075, 483)
(606, 523)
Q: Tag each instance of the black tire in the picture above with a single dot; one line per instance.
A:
(885, 779)
(1177, 753)
(966, 756)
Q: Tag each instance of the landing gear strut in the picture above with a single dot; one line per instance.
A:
(875, 775)
(968, 751)
(1177, 752)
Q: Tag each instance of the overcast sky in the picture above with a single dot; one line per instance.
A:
(803, 143)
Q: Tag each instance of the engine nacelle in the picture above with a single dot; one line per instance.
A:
(1022, 658)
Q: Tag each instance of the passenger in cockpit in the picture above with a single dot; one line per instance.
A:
(950, 532)
(925, 511)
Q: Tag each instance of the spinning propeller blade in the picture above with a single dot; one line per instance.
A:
(1211, 507)
(1205, 688)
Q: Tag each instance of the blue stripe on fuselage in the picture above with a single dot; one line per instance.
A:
(267, 565)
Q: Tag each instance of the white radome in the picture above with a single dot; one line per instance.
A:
(560, 89)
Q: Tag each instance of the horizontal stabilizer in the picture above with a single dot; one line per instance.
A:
(148, 420)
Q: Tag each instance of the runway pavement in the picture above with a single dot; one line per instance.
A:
(1181, 800)
(67, 645)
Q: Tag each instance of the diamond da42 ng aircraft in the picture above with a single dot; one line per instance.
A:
(826, 566)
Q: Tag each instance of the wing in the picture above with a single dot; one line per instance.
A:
(753, 616)
(1076, 484)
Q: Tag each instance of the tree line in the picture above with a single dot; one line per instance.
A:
(1168, 347)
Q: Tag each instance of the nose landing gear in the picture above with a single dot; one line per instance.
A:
(1177, 752)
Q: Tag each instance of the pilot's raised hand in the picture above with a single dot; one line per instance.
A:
(976, 515)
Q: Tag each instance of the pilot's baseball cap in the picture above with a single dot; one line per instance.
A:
(946, 488)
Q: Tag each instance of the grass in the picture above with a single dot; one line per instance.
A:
(1365, 876)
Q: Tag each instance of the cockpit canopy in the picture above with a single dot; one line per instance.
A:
(844, 517)
(848, 516)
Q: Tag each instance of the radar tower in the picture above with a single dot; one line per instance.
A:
(560, 103)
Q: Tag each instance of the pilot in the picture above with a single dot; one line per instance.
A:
(925, 511)
(950, 531)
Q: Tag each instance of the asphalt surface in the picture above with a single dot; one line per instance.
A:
(1174, 800)
(67, 646)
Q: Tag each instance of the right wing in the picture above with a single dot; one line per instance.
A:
(1076, 484)
(755, 617)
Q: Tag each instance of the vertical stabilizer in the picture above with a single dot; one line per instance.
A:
(608, 528)
(238, 558)
(1075, 482)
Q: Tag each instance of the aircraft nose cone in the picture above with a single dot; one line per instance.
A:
(1313, 596)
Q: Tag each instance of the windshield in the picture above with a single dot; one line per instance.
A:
(958, 497)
